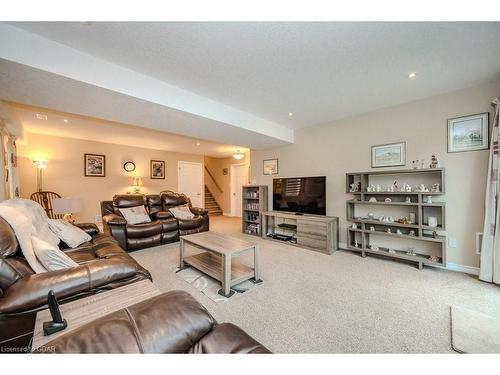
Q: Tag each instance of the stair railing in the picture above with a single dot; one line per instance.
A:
(213, 179)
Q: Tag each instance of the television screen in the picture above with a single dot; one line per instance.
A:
(305, 195)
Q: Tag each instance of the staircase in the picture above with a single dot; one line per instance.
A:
(211, 204)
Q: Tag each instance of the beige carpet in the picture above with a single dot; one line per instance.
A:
(315, 303)
(474, 332)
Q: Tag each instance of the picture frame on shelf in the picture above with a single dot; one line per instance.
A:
(94, 165)
(157, 169)
(270, 167)
(389, 155)
(469, 133)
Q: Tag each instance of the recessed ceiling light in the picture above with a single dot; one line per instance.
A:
(290, 114)
(198, 143)
(65, 120)
(412, 75)
(41, 116)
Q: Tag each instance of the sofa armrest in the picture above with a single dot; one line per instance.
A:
(161, 215)
(30, 292)
(198, 211)
(89, 228)
(114, 219)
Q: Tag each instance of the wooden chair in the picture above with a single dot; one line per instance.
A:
(45, 198)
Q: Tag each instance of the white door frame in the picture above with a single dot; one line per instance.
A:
(202, 187)
(231, 187)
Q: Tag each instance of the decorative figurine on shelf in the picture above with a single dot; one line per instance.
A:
(436, 188)
(434, 234)
(354, 226)
(403, 220)
(355, 243)
(392, 251)
(388, 200)
(422, 163)
(372, 229)
(352, 188)
(414, 164)
(434, 258)
(412, 218)
(398, 231)
(377, 188)
(359, 186)
(370, 188)
(434, 162)
(433, 222)
(407, 200)
(389, 230)
(408, 188)
(376, 248)
(371, 216)
(429, 199)
(372, 199)
(421, 189)
(411, 233)
(390, 219)
(411, 252)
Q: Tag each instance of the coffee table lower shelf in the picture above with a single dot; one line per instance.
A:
(211, 265)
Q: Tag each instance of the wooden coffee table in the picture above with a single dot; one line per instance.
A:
(218, 261)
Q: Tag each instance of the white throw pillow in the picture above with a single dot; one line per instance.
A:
(50, 256)
(182, 212)
(68, 233)
(135, 215)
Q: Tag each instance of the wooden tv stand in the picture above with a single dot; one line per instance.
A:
(312, 232)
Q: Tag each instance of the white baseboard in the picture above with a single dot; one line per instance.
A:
(461, 268)
(226, 214)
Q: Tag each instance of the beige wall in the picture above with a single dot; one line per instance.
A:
(216, 166)
(64, 174)
(344, 146)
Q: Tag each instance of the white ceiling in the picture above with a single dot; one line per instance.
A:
(91, 129)
(318, 71)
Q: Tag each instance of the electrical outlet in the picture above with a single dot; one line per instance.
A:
(452, 242)
(479, 242)
(98, 218)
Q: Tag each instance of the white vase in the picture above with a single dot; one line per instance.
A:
(433, 222)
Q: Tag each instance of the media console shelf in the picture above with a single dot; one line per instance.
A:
(380, 207)
(313, 232)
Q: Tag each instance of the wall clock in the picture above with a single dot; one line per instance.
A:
(129, 166)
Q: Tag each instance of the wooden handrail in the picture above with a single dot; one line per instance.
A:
(213, 179)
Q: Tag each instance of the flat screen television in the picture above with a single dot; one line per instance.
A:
(302, 195)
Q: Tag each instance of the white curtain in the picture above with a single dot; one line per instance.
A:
(490, 250)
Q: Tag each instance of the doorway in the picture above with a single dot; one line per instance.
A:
(190, 181)
(238, 179)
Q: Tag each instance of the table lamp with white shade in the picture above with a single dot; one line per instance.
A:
(68, 207)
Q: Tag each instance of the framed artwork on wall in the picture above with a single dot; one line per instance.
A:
(94, 165)
(270, 166)
(157, 169)
(389, 155)
(468, 133)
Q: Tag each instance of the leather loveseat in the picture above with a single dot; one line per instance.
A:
(163, 228)
(173, 322)
(102, 265)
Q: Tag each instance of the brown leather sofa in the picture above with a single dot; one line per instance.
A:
(163, 228)
(102, 265)
(173, 322)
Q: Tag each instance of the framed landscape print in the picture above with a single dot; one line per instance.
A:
(270, 167)
(94, 165)
(389, 155)
(469, 133)
(157, 169)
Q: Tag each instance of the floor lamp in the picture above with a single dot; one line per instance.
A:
(41, 164)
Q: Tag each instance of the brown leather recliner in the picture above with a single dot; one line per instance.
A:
(163, 228)
(173, 322)
(200, 222)
(102, 265)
